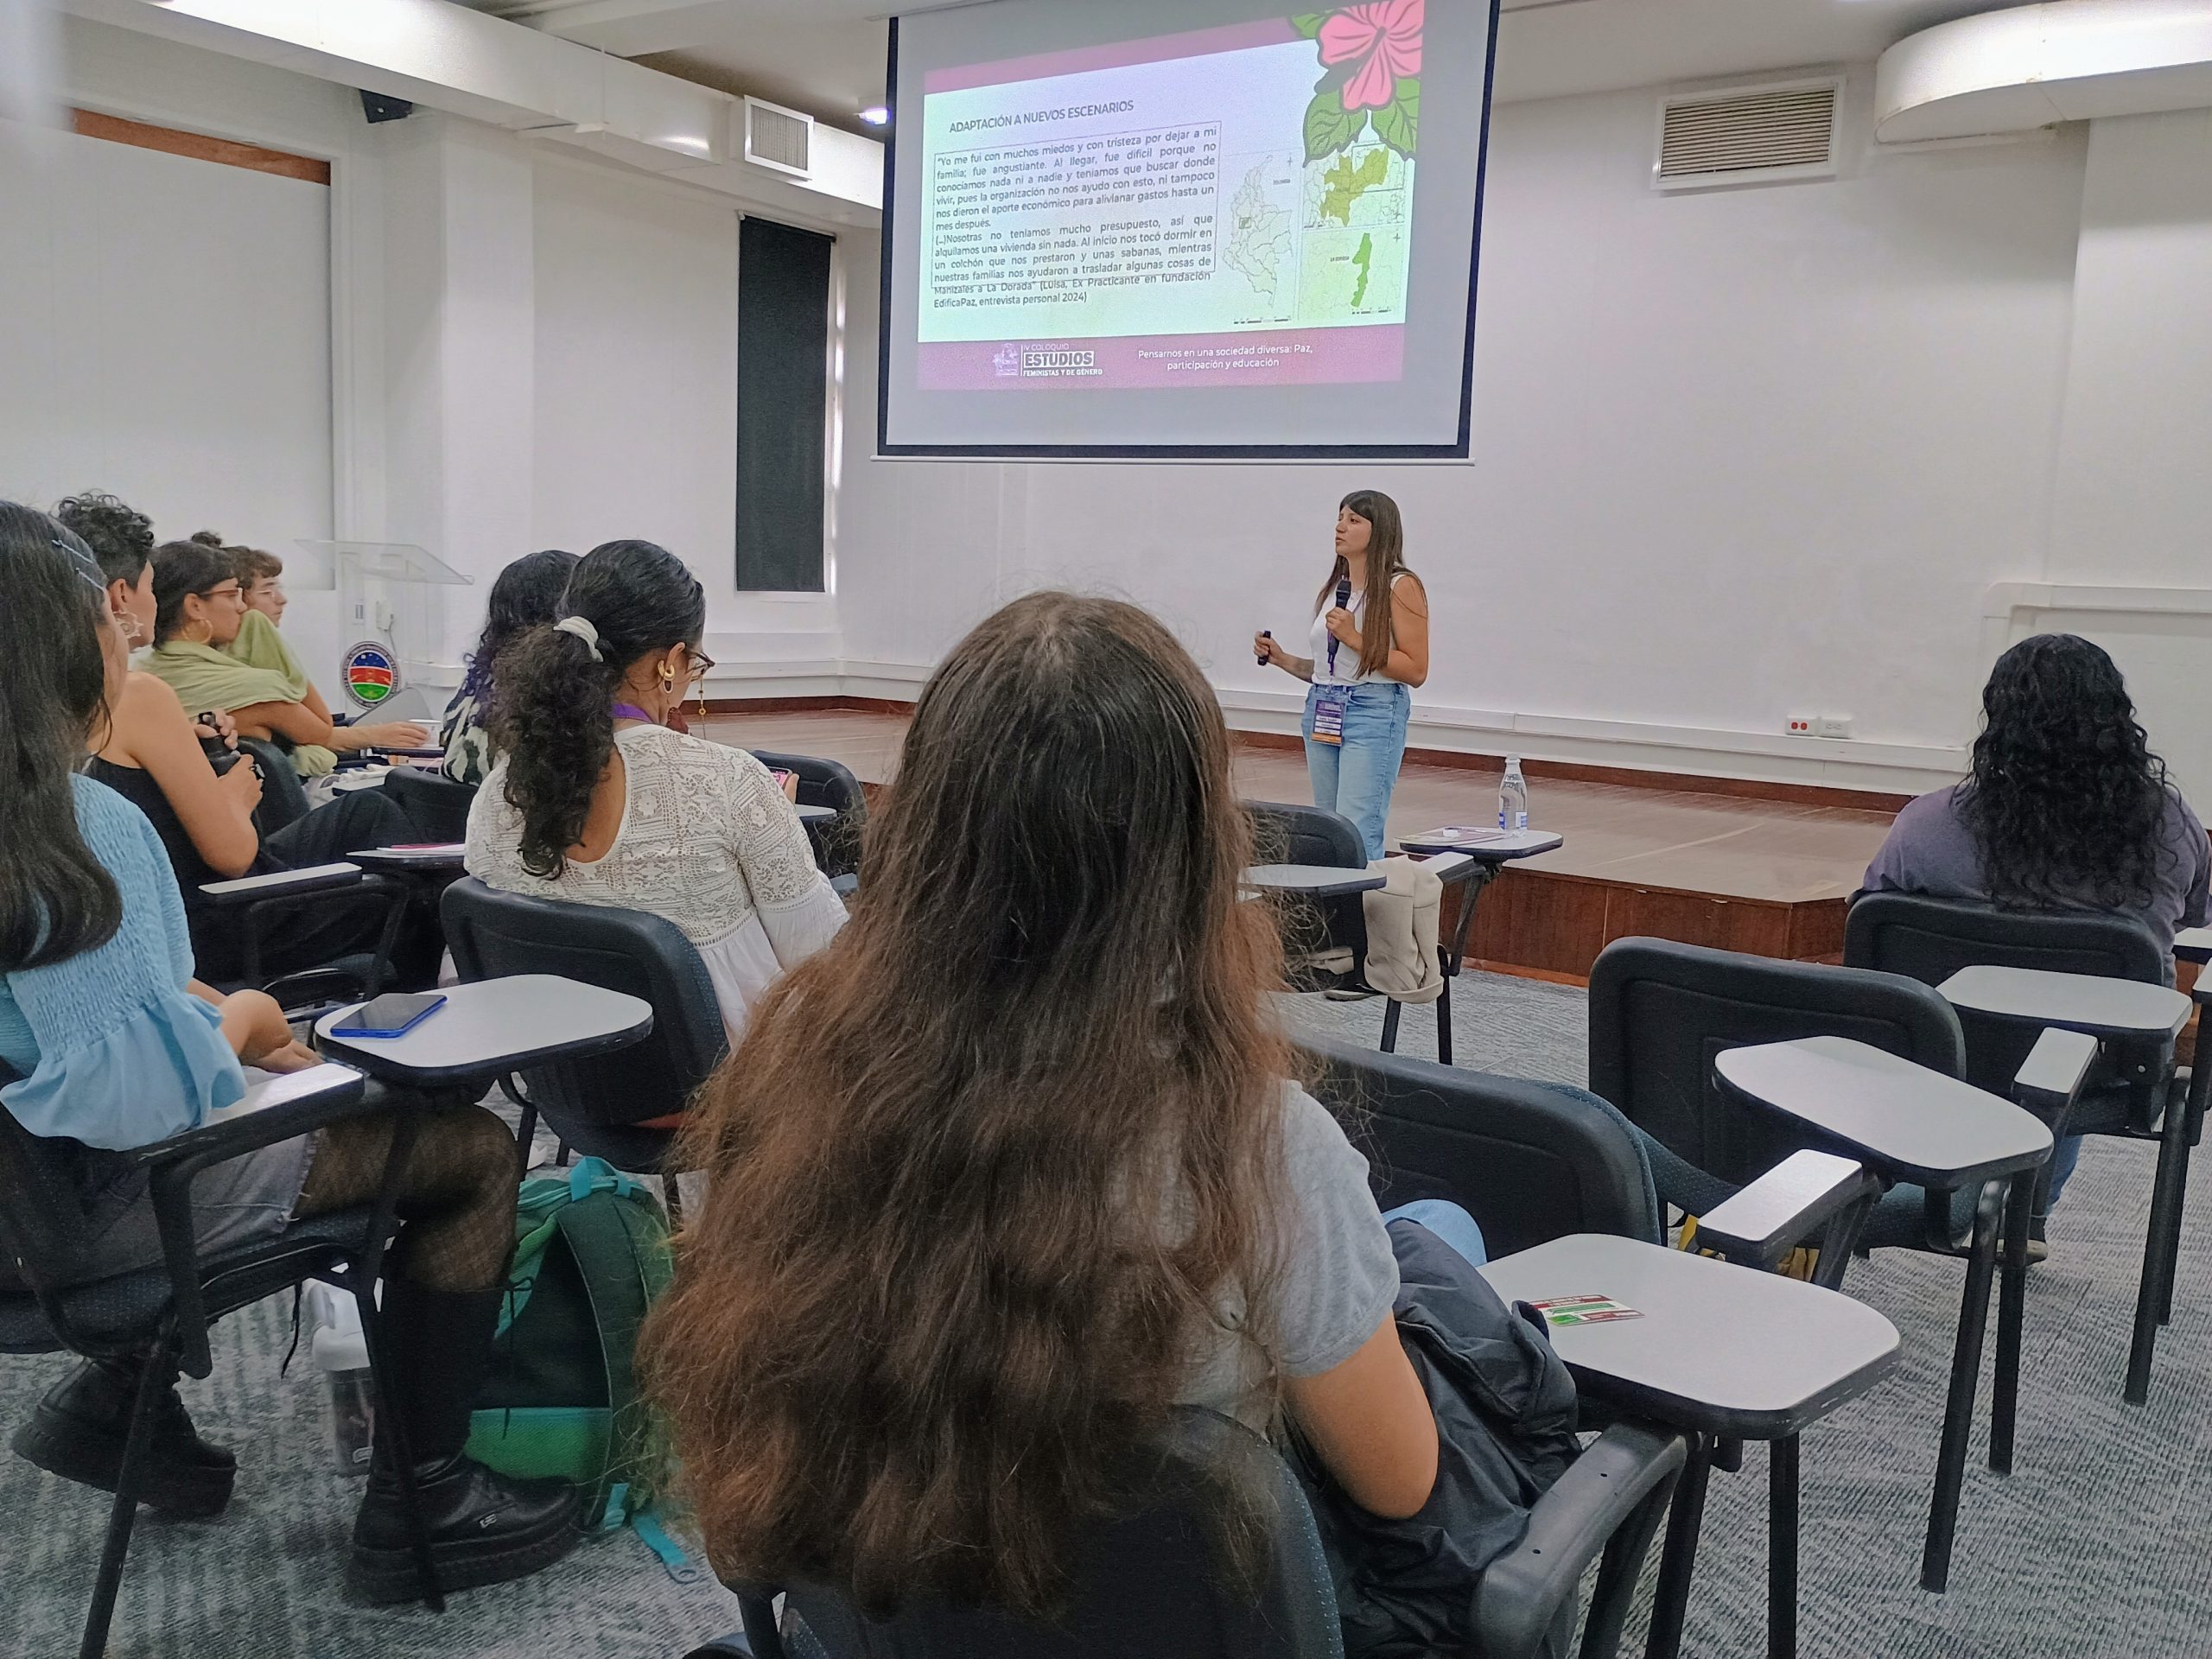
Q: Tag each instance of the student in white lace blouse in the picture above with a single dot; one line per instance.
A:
(595, 802)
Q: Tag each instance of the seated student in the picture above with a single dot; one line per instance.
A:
(1013, 1166)
(199, 612)
(594, 800)
(157, 759)
(2066, 809)
(261, 575)
(115, 1046)
(528, 593)
(121, 539)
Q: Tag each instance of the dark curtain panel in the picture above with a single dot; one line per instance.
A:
(782, 393)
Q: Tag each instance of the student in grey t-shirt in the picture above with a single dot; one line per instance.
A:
(2066, 809)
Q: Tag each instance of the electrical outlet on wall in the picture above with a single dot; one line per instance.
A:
(1832, 726)
(1798, 725)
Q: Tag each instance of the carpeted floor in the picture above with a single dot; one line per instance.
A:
(2099, 1547)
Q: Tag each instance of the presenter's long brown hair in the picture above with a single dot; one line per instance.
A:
(941, 1278)
(1386, 563)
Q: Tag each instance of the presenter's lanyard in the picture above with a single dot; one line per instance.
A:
(630, 711)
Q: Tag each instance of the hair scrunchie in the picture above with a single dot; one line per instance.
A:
(581, 627)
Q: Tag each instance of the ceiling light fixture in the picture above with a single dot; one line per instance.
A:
(877, 115)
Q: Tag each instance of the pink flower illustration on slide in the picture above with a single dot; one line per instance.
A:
(1384, 40)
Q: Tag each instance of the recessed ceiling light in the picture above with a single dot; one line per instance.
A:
(877, 115)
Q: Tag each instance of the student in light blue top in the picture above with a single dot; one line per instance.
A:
(109, 1044)
(1370, 651)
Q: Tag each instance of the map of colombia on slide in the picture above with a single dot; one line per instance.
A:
(1232, 206)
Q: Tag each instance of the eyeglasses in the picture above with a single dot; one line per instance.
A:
(223, 590)
(701, 664)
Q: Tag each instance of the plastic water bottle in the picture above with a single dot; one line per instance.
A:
(1513, 796)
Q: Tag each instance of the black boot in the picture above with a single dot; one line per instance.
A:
(80, 1428)
(484, 1527)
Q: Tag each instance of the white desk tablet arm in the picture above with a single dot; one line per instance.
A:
(1807, 1195)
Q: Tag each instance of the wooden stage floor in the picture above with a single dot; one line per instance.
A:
(1770, 877)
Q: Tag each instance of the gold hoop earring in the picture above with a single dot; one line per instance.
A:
(667, 679)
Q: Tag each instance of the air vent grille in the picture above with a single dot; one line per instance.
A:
(1758, 133)
(777, 137)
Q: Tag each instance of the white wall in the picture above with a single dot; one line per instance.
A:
(2128, 563)
(636, 353)
(164, 334)
(1738, 454)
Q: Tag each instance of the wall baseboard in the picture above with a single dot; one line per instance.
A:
(1690, 782)
(1695, 783)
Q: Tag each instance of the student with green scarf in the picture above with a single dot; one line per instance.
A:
(199, 615)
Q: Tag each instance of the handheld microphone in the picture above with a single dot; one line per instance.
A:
(1265, 633)
(1344, 603)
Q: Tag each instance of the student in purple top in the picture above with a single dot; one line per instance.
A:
(2066, 809)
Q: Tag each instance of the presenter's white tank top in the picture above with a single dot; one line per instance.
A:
(1347, 659)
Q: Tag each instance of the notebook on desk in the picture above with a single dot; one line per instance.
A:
(1452, 837)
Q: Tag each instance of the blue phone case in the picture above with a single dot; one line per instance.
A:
(438, 1002)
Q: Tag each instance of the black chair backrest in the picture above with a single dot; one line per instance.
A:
(1660, 1012)
(284, 797)
(493, 935)
(1531, 1162)
(1286, 834)
(831, 784)
(435, 804)
(1152, 1578)
(1930, 939)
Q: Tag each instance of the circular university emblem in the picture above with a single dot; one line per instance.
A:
(370, 672)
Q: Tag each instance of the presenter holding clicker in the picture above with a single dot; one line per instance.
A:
(1370, 640)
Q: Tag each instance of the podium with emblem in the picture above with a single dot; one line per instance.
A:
(393, 660)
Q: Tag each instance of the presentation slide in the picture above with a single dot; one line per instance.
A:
(1256, 235)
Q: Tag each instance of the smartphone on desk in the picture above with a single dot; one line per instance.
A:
(393, 1015)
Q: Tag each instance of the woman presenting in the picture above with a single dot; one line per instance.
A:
(1368, 656)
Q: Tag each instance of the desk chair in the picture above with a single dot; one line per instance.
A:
(254, 909)
(1660, 1012)
(158, 1317)
(1325, 939)
(2134, 1091)
(436, 805)
(830, 784)
(1537, 1162)
(1150, 1579)
(597, 1104)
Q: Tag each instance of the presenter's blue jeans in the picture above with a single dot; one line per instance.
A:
(1357, 777)
(1449, 1223)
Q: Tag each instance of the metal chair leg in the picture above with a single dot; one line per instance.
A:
(1444, 1024)
(526, 1137)
(391, 1429)
(1392, 1009)
(2173, 1245)
(1958, 1410)
(2161, 1243)
(123, 1514)
(1782, 1550)
(1670, 1598)
(2011, 1313)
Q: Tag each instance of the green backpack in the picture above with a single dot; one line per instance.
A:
(562, 1398)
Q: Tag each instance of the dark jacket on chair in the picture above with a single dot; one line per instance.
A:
(1505, 1420)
